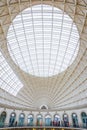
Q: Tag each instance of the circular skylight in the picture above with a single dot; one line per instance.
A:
(43, 40)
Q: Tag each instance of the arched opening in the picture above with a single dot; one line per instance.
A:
(30, 120)
(21, 119)
(39, 120)
(65, 120)
(74, 120)
(84, 119)
(48, 120)
(12, 119)
(56, 121)
(43, 107)
(2, 118)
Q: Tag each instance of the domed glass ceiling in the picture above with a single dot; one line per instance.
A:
(43, 40)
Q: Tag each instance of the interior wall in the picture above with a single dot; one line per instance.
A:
(52, 113)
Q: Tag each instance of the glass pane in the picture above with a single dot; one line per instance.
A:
(40, 32)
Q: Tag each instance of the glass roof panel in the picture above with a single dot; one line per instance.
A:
(8, 80)
(40, 39)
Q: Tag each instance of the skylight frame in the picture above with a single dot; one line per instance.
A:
(45, 37)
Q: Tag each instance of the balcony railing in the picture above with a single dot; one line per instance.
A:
(43, 126)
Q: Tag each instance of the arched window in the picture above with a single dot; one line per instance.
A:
(65, 120)
(56, 121)
(12, 119)
(30, 119)
(39, 120)
(2, 118)
(48, 120)
(44, 107)
(83, 114)
(74, 119)
(84, 119)
(21, 119)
